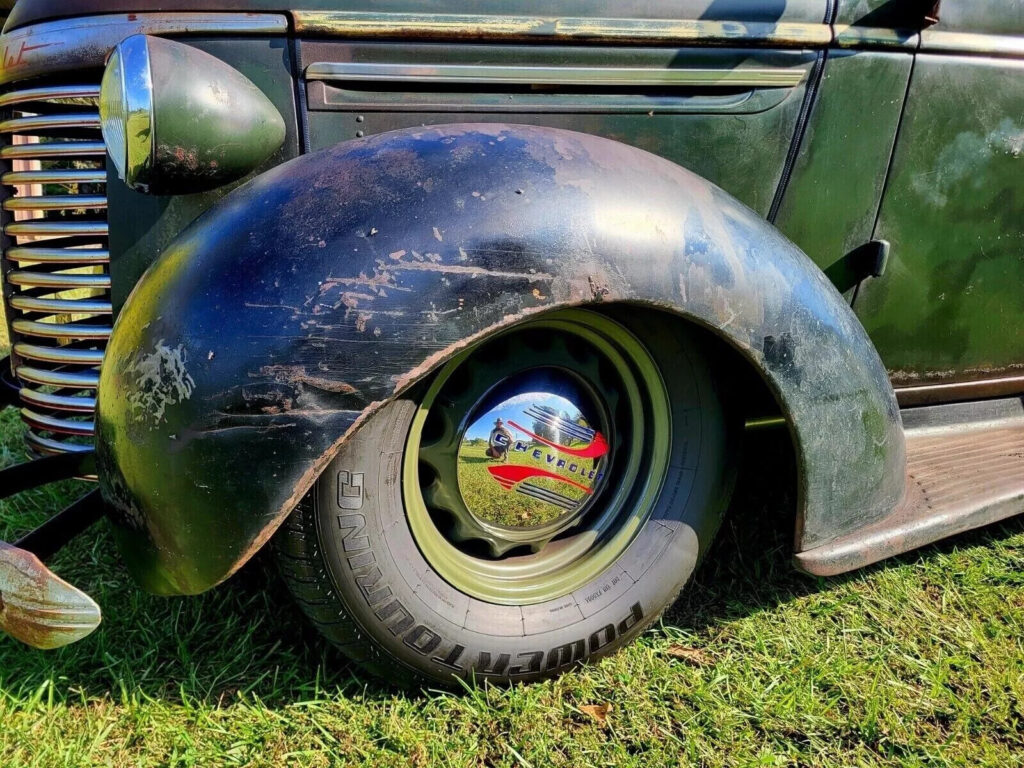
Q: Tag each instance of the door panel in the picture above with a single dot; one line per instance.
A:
(833, 194)
(729, 115)
(950, 306)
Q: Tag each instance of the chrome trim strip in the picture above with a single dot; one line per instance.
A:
(853, 36)
(73, 379)
(57, 402)
(50, 122)
(936, 393)
(41, 227)
(448, 26)
(55, 46)
(49, 446)
(60, 255)
(60, 330)
(54, 202)
(57, 280)
(62, 355)
(59, 306)
(54, 424)
(938, 41)
(575, 76)
(53, 149)
(136, 80)
(70, 176)
(49, 93)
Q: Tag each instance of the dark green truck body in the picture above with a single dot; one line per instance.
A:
(949, 308)
(884, 138)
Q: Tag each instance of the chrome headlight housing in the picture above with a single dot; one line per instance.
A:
(126, 110)
(178, 120)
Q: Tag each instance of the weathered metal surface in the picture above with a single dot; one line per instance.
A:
(141, 226)
(939, 41)
(290, 312)
(457, 26)
(736, 139)
(752, 11)
(38, 607)
(856, 36)
(484, 75)
(965, 469)
(932, 394)
(204, 124)
(949, 307)
(980, 27)
(62, 46)
(905, 14)
(987, 17)
(836, 186)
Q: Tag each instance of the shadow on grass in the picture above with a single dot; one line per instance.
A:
(247, 639)
(749, 567)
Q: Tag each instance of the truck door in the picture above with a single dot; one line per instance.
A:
(949, 308)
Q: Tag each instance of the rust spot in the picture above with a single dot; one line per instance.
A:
(597, 290)
(458, 269)
(297, 374)
(351, 299)
(37, 606)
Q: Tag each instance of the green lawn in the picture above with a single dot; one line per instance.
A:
(919, 661)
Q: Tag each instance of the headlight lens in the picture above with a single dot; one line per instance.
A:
(113, 112)
(126, 110)
(178, 120)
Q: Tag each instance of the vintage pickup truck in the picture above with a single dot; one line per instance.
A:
(465, 309)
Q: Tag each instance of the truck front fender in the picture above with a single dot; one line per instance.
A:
(306, 299)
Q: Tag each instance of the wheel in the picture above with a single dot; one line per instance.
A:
(534, 507)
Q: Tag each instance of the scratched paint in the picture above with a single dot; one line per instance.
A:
(159, 380)
(287, 387)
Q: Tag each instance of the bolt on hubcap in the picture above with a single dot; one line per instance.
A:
(532, 459)
(536, 456)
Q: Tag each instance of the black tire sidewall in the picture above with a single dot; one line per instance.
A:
(433, 630)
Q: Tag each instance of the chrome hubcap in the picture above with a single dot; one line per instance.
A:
(544, 443)
(535, 506)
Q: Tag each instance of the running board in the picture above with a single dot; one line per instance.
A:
(965, 469)
(37, 606)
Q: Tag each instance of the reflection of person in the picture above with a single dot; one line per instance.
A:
(499, 441)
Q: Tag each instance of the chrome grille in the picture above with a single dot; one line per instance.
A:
(56, 276)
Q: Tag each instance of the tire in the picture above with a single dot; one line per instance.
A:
(351, 558)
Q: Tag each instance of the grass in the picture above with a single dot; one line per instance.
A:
(917, 662)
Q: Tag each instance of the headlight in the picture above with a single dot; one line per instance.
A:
(126, 110)
(178, 120)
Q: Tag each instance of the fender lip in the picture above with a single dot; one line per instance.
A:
(269, 330)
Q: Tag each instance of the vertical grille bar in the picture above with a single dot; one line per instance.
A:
(55, 257)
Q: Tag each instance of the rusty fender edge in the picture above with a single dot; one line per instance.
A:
(309, 297)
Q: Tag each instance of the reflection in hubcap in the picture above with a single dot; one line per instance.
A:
(576, 394)
(533, 455)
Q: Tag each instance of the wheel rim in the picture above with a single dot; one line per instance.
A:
(514, 527)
